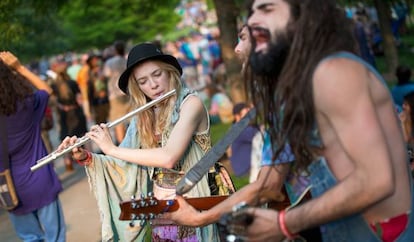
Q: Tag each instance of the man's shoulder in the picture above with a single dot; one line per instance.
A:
(337, 67)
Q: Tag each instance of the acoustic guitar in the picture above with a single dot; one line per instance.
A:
(147, 209)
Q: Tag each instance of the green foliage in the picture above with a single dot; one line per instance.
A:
(99, 24)
(33, 28)
(217, 132)
(24, 24)
(240, 182)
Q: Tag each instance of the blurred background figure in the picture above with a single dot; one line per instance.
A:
(406, 117)
(220, 105)
(82, 81)
(118, 102)
(97, 90)
(72, 120)
(404, 84)
(74, 67)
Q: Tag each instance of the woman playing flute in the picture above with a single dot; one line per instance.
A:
(161, 144)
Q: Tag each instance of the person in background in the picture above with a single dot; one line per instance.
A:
(72, 120)
(406, 117)
(363, 37)
(242, 51)
(82, 81)
(241, 148)
(118, 101)
(97, 89)
(162, 143)
(244, 46)
(404, 84)
(74, 67)
(39, 215)
(220, 105)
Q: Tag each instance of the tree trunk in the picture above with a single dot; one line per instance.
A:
(390, 49)
(227, 13)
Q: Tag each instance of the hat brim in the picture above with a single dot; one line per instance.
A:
(169, 59)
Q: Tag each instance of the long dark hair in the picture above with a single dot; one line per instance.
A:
(317, 28)
(14, 88)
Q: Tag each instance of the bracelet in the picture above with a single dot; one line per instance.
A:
(86, 161)
(283, 227)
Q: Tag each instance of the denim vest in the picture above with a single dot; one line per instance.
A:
(352, 228)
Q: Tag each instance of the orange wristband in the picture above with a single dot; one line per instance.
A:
(283, 227)
(86, 161)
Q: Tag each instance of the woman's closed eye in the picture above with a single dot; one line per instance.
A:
(157, 73)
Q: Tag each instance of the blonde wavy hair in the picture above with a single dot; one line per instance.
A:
(147, 126)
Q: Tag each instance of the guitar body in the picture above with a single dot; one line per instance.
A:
(233, 224)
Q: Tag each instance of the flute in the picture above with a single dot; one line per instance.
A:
(81, 141)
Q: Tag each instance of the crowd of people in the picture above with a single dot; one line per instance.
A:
(325, 123)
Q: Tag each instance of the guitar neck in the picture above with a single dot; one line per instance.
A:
(162, 206)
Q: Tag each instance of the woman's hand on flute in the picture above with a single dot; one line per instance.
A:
(102, 137)
(78, 153)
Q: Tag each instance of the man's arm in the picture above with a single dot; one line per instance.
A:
(357, 130)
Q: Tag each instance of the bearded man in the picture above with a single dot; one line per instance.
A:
(337, 114)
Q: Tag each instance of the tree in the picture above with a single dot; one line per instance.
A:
(227, 15)
(390, 49)
(25, 24)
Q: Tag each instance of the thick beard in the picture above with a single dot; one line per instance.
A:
(270, 64)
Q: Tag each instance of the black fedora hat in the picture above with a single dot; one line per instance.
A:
(143, 52)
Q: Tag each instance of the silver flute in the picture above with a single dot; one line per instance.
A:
(81, 141)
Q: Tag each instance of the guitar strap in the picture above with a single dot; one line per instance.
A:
(195, 174)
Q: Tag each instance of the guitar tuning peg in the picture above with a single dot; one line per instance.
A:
(142, 196)
(151, 216)
(134, 204)
(142, 223)
(150, 194)
(131, 224)
(134, 217)
(143, 203)
(152, 202)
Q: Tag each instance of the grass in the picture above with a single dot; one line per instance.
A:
(217, 132)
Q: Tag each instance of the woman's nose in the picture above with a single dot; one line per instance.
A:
(153, 83)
